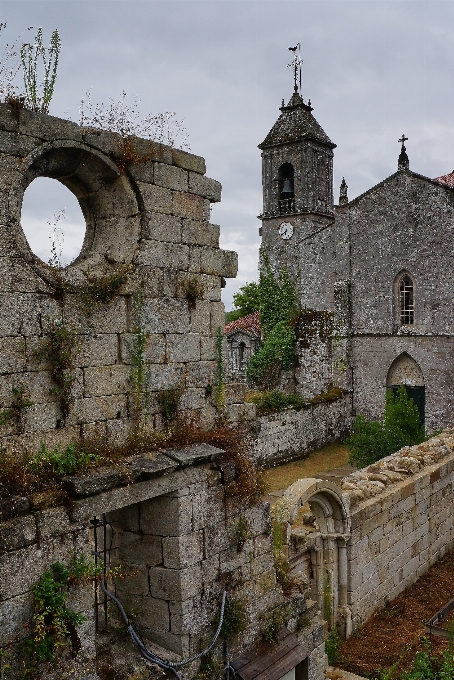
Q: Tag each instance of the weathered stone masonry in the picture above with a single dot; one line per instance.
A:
(154, 216)
(368, 540)
(167, 516)
(401, 521)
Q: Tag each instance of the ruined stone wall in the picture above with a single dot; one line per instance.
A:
(180, 540)
(147, 210)
(287, 435)
(401, 522)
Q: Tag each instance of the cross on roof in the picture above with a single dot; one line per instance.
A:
(403, 140)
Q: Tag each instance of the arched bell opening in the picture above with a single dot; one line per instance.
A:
(286, 182)
(405, 371)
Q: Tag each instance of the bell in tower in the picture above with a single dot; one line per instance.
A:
(297, 163)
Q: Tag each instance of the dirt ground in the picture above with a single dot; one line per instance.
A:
(395, 634)
(315, 463)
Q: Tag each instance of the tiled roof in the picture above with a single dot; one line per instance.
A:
(295, 123)
(446, 179)
(249, 324)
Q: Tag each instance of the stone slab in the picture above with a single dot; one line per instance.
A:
(191, 455)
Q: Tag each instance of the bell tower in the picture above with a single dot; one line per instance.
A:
(298, 206)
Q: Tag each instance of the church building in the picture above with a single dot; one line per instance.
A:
(381, 266)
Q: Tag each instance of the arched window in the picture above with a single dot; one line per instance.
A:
(286, 185)
(406, 301)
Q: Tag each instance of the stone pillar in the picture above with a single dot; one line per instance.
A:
(344, 613)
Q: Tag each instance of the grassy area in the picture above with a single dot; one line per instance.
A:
(316, 462)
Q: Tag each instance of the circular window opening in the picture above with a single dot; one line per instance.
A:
(52, 221)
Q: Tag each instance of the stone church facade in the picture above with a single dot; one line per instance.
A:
(380, 267)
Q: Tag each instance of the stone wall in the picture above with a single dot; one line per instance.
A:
(174, 531)
(147, 210)
(401, 522)
(290, 434)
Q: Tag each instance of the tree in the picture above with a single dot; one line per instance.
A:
(372, 440)
(245, 301)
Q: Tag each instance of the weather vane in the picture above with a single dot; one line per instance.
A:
(296, 65)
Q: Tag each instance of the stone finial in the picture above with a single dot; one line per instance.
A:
(403, 162)
(343, 198)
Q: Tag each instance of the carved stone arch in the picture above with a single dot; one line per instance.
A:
(404, 370)
(317, 543)
(106, 197)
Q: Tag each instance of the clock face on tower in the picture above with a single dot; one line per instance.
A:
(286, 230)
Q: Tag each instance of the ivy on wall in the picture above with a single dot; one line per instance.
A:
(278, 315)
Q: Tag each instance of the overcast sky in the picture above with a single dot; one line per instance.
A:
(372, 70)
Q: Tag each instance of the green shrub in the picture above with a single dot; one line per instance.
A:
(402, 418)
(268, 402)
(372, 440)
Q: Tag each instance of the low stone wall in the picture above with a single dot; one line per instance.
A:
(180, 539)
(401, 522)
(290, 434)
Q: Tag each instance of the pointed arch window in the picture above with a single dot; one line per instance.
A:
(406, 300)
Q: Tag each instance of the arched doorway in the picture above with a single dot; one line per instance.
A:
(316, 523)
(405, 371)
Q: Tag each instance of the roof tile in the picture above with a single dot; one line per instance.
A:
(249, 324)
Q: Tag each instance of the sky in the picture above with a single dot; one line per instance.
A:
(372, 69)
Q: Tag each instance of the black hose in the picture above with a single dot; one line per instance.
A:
(146, 653)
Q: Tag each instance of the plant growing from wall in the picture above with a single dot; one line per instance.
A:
(242, 532)
(332, 645)
(220, 386)
(281, 563)
(270, 402)
(193, 291)
(19, 403)
(31, 56)
(235, 618)
(103, 289)
(274, 621)
(128, 122)
(59, 349)
(60, 461)
(53, 622)
(96, 291)
(169, 402)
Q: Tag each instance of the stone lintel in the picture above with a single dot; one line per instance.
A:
(157, 481)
